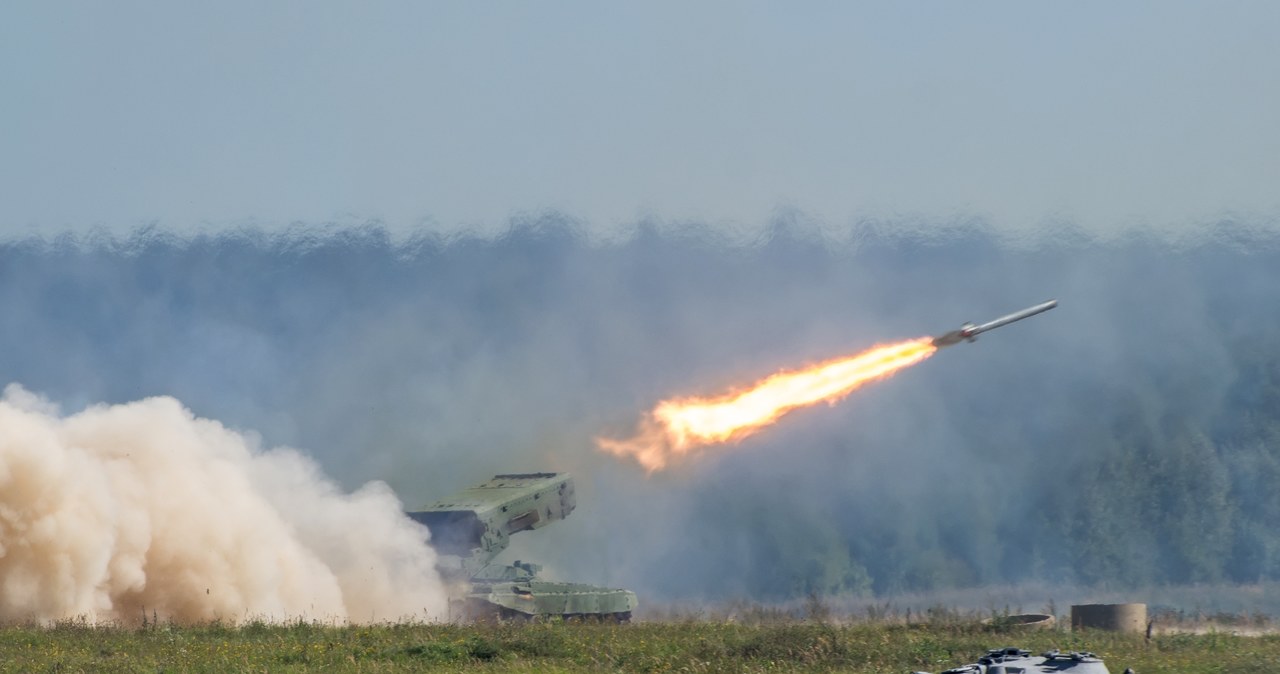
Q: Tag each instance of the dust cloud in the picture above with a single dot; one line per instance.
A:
(139, 511)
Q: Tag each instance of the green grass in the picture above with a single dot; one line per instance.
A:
(689, 646)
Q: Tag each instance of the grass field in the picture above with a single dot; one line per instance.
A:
(690, 646)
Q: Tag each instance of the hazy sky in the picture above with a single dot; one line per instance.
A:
(459, 115)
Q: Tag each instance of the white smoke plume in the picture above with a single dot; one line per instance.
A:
(142, 509)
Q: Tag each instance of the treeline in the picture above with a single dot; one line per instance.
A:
(1129, 437)
(1132, 443)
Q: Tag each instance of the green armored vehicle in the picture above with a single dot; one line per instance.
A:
(471, 527)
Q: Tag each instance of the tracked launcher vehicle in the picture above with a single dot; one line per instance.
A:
(472, 527)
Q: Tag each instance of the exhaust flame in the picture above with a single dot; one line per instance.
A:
(676, 427)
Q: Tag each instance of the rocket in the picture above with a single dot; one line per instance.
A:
(969, 331)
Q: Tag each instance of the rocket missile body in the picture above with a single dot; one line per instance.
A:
(969, 331)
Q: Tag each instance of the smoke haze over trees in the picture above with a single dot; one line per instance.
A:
(1130, 437)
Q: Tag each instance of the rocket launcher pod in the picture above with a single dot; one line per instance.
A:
(472, 527)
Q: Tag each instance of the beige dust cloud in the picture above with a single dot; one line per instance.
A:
(142, 509)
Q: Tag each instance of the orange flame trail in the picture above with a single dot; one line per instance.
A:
(676, 427)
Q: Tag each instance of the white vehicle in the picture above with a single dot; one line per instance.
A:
(1018, 661)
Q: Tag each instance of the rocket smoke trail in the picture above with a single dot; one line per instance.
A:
(122, 511)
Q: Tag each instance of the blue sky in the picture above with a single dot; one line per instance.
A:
(456, 116)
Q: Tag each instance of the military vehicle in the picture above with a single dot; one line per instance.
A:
(1018, 661)
(472, 527)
